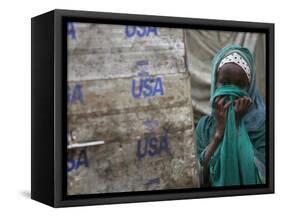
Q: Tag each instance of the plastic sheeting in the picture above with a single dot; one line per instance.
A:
(201, 46)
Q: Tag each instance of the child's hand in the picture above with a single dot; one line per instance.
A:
(220, 117)
(241, 106)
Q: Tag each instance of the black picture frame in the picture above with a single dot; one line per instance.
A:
(49, 107)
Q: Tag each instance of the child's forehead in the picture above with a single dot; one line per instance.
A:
(231, 70)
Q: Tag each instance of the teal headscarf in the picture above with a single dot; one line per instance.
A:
(240, 157)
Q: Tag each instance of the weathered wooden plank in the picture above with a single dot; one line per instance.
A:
(126, 125)
(118, 167)
(118, 65)
(91, 38)
(108, 96)
(96, 45)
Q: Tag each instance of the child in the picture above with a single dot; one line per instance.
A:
(231, 141)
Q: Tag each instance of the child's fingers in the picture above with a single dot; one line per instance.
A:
(226, 105)
(220, 103)
(217, 99)
(236, 105)
(249, 101)
(243, 104)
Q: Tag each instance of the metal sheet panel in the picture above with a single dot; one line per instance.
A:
(128, 95)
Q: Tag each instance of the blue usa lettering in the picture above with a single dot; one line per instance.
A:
(74, 164)
(147, 87)
(71, 30)
(75, 94)
(141, 31)
(152, 146)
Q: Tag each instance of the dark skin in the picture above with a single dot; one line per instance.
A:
(228, 74)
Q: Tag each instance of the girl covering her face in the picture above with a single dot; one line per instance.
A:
(232, 153)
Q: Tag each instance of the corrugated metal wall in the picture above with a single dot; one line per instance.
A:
(129, 91)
